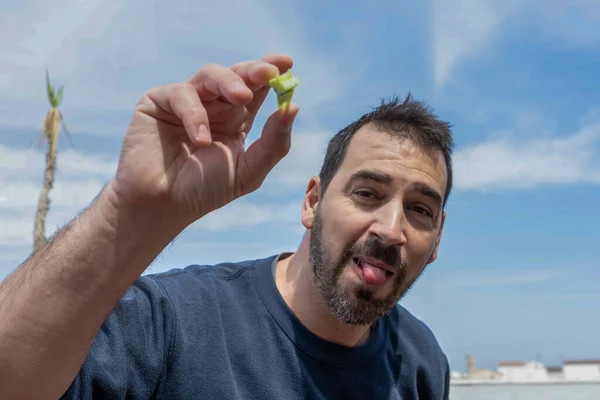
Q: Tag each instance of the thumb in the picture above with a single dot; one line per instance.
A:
(273, 144)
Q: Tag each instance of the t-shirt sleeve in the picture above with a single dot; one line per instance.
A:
(446, 395)
(129, 353)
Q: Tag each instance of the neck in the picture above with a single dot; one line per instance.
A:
(294, 280)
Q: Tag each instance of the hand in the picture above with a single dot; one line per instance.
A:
(184, 152)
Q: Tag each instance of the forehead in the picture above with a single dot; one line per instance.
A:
(374, 149)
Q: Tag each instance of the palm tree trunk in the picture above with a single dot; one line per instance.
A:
(51, 132)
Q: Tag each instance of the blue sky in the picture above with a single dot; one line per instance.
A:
(518, 271)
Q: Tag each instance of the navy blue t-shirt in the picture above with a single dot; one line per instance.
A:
(224, 332)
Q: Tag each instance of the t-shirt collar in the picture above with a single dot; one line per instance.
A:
(313, 345)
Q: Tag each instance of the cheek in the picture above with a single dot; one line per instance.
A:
(418, 250)
(346, 229)
(341, 228)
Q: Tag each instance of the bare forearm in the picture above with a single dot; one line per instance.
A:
(52, 306)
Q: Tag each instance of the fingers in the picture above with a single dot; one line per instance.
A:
(268, 150)
(256, 74)
(213, 81)
(186, 104)
(244, 84)
(183, 101)
(281, 61)
(237, 84)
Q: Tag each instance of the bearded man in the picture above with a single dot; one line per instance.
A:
(324, 322)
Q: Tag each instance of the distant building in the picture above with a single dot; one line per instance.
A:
(470, 364)
(528, 372)
(520, 371)
(575, 370)
(474, 373)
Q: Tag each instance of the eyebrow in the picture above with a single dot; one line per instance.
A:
(428, 191)
(370, 175)
(378, 177)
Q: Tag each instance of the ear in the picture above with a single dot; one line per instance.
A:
(438, 240)
(311, 202)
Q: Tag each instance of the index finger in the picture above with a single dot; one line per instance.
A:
(216, 81)
(257, 73)
(281, 61)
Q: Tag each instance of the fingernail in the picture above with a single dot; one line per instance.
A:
(237, 86)
(203, 133)
(289, 115)
(290, 110)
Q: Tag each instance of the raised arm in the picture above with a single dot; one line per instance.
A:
(52, 306)
(182, 138)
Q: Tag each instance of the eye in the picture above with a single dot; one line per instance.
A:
(422, 210)
(365, 193)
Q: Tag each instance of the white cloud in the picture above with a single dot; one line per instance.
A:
(79, 178)
(240, 213)
(65, 194)
(29, 165)
(463, 28)
(17, 212)
(105, 52)
(516, 162)
(49, 34)
(15, 229)
(303, 161)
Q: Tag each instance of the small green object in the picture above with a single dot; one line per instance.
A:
(284, 86)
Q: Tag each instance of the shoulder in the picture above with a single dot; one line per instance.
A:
(220, 271)
(420, 354)
(417, 339)
(198, 282)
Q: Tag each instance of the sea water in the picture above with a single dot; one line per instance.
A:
(527, 392)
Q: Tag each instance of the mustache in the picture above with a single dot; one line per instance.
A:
(374, 248)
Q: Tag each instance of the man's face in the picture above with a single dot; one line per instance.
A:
(377, 226)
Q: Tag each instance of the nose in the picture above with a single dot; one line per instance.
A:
(389, 224)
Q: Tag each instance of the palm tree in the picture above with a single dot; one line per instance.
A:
(53, 120)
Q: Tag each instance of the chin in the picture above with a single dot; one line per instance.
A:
(356, 303)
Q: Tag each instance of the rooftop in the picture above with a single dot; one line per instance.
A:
(581, 362)
(511, 363)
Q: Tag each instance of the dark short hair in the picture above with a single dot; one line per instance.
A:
(407, 119)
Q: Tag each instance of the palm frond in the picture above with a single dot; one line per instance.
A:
(58, 97)
(64, 127)
(49, 89)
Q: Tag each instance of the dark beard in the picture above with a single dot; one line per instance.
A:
(356, 306)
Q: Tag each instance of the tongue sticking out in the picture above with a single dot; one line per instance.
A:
(372, 274)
